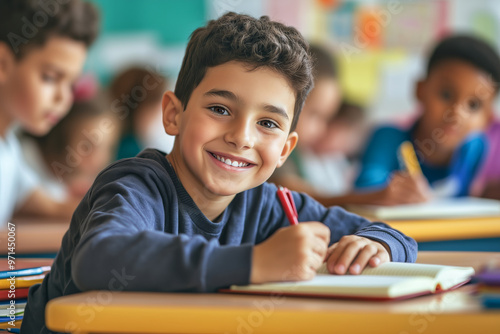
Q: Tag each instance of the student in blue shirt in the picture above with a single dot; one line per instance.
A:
(202, 217)
(456, 99)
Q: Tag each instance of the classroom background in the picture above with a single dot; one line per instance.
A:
(380, 44)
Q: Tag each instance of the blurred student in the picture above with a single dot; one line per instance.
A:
(320, 106)
(37, 70)
(334, 162)
(487, 183)
(136, 95)
(68, 158)
(456, 100)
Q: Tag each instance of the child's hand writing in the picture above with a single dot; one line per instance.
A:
(293, 253)
(404, 189)
(352, 253)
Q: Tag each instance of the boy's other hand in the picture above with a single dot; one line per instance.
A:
(404, 188)
(293, 253)
(353, 253)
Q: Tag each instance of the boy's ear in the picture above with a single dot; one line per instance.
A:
(419, 90)
(172, 108)
(6, 61)
(290, 144)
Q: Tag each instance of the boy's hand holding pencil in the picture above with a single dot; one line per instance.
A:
(404, 188)
(296, 252)
(292, 253)
(408, 185)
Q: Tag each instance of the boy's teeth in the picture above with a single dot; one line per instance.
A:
(231, 163)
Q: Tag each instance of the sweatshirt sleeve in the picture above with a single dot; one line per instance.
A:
(123, 247)
(467, 161)
(342, 222)
(380, 158)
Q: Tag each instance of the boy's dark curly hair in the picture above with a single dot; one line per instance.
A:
(25, 24)
(470, 49)
(254, 42)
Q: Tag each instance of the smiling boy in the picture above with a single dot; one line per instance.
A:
(203, 217)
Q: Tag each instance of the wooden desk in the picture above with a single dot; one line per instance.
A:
(458, 234)
(35, 236)
(449, 229)
(134, 312)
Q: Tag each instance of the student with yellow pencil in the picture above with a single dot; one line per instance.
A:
(456, 100)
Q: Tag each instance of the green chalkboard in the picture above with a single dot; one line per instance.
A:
(172, 20)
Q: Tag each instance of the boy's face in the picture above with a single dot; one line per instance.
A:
(342, 137)
(320, 107)
(234, 131)
(100, 154)
(457, 99)
(37, 89)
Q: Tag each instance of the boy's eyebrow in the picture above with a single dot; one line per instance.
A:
(52, 67)
(276, 110)
(233, 97)
(223, 93)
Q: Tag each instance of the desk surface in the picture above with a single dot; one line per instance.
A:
(134, 312)
(449, 229)
(35, 236)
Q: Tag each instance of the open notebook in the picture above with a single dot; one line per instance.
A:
(438, 208)
(392, 280)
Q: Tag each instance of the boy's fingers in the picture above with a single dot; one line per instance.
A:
(316, 261)
(344, 257)
(362, 258)
(354, 256)
(320, 247)
(382, 256)
(336, 251)
(320, 230)
(329, 251)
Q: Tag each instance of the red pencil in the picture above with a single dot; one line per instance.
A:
(286, 199)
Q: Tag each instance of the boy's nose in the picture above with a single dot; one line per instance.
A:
(241, 134)
(460, 109)
(63, 96)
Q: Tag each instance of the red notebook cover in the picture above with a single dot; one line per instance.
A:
(14, 294)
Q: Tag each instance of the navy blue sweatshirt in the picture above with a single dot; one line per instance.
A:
(137, 229)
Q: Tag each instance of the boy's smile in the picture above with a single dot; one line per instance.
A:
(232, 134)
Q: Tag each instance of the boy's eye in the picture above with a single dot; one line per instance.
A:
(219, 110)
(474, 105)
(268, 124)
(445, 95)
(48, 77)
